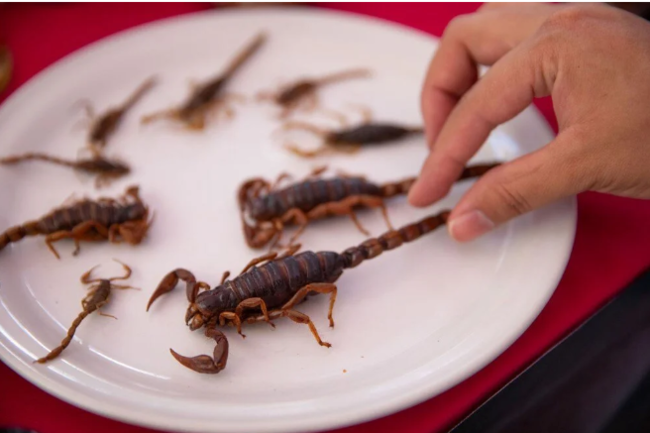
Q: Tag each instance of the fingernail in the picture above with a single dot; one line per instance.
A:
(470, 225)
(413, 191)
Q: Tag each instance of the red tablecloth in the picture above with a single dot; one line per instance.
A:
(612, 242)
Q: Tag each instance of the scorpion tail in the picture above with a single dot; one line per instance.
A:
(203, 363)
(401, 187)
(477, 170)
(352, 257)
(389, 190)
(169, 283)
(17, 233)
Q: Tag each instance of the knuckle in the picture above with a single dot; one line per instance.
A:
(571, 16)
(514, 201)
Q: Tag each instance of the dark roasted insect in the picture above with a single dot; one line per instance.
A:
(125, 219)
(302, 93)
(208, 96)
(97, 297)
(102, 127)
(271, 208)
(350, 140)
(105, 170)
(273, 289)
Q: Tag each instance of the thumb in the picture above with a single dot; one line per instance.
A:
(518, 187)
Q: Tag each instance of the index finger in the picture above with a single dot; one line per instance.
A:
(470, 41)
(504, 91)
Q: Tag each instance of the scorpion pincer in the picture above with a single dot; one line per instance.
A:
(271, 286)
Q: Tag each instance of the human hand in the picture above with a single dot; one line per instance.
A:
(594, 61)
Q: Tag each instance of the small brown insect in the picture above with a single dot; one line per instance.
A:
(125, 219)
(102, 127)
(271, 208)
(105, 169)
(208, 96)
(350, 140)
(302, 93)
(275, 288)
(97, 297)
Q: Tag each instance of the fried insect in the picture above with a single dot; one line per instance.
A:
(102, 127)
(271, 208)
(208, 97)
(106, 170)
(273, 289)
(302, 93)
(121, 220)
(350, 139)
(97, 297)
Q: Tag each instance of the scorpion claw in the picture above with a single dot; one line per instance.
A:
(201, 364)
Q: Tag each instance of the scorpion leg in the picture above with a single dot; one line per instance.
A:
(364, 111)
(224, 277)
(258, 260)
(204, 363)
(346, 207)
(282, 176)
(78, 234)
(234, 318)
(316, 172)
(299, 317)
(163, 114)
(299, 218)
(253, 303)
(318, 288)
(291, 250)
(305, 127)
(293, 148)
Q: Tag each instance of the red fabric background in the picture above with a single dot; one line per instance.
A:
(612, 242)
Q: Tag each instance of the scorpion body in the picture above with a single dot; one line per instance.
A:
(302, 93)
(273, 289)
(87, 220)
(97, 297)
(105, 169)
(271, 209)
(208, 95)
(351, 139)
(102, 127)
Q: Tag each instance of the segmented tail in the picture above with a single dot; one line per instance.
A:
(139, 93)
(36, 156)
(14, 234)
(343, 75)
(66, 341)
(392, 189)
(244, 55)
(352, 257)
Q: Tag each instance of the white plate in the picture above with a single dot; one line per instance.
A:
(409, 324)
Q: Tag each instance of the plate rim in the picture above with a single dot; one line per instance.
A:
(128, 415)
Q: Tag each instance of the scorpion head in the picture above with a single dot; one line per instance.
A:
(208, 306)
(262, 208)
(193, 318)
